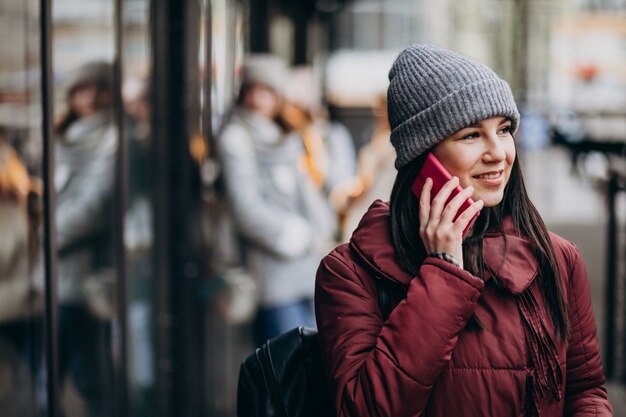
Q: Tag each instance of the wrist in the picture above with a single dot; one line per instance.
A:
(446, 257)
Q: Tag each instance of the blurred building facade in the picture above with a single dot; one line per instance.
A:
(175, 315)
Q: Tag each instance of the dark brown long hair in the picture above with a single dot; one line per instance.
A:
(67, 118)
(515, 204)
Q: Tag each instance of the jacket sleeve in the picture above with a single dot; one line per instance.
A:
(585, 393)
(388, 369)
(81, 206)
(282, 233)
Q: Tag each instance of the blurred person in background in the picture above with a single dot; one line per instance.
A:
(21, 300)
(284, 219)
(376, 173)
(84, 181)
(498, 322)
(330, 157)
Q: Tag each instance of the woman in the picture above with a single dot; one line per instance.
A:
(496, 324)
(284, 220)
(85, 161)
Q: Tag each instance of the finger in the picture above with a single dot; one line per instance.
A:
(439, 201)
(449, 212)
(424, 208)
(463, 220)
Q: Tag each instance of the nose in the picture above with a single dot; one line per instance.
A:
(494, 149)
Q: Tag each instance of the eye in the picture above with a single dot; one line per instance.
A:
(505, 129)
(472, 135)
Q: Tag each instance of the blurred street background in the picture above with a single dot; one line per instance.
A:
(126, 287)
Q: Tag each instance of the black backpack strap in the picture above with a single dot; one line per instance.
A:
(264, 358)
(389, 295)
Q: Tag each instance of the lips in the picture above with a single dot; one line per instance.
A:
(489, 175)
(490, 178)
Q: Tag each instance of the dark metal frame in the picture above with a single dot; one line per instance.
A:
(259, 39)
(178, 246)
(207, 110)
(616, 185)
(159, 128)
(50, 319)
(121, 192)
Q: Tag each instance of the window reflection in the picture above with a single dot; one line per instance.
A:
(21, 300)
(21, 284)
(85, 158)
(138, 218)
(227, 48)
(86, 145)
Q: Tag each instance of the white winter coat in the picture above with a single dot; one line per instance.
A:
(286, 221)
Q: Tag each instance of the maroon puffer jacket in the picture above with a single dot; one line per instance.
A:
(423, 362)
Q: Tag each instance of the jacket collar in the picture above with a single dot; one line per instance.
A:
(509, 257)
(266, 131)
(88, 129)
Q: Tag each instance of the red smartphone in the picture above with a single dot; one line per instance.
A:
(439, 174)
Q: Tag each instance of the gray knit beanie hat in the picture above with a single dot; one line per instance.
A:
(99, 73)
(266, 69)
(434, 92)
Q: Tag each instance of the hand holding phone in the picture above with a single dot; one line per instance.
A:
(433, 216)
(435, 170)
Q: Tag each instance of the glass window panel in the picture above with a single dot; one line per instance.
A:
(219, 65)
(138, 222)
(227, 50)
(21, 275)
(86, 145)
(226, 344)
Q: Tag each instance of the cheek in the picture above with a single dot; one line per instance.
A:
(510, 158)
(452, 159)
(510, 152)
(461, 168)
(268, 105)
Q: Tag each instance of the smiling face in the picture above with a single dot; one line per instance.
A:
(480, 155)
